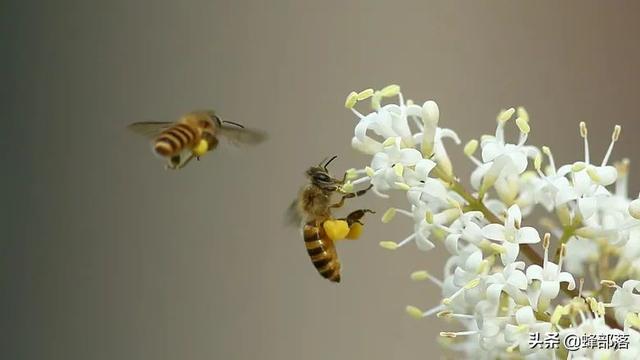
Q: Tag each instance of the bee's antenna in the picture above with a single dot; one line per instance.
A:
(329, 162)
(233, 123)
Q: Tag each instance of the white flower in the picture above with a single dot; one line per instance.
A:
(526, 323)
(385, 175)
(547, 279)
(625, 299)
(511, 235)
(512, 281)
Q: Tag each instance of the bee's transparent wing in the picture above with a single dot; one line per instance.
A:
(241, 136)
(149, 129)
(292, 216)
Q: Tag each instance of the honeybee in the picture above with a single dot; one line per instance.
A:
(313, 208)
(195, 133)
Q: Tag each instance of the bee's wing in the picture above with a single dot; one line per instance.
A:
(241, 135)
(292, 216)
(149, 129)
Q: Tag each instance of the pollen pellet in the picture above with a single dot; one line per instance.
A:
(336, 229)
(201, 148)
(355, 231)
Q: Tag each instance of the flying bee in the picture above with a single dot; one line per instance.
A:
(312, 211)
(194, 133)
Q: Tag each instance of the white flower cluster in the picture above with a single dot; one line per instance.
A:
(495, 285)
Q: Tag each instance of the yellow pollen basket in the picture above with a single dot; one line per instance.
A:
(336, 229)
(355, 231)
(201, 148)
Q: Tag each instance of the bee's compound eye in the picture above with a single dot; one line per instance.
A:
(322, 177)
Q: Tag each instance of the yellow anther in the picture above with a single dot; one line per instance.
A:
(608, 283)
(390, 90)
(414, 312)
(537, 162)
(446, 301)
(369, 171)
(444, 314)
(616, 133)
(347, 187)
(336, 229)
(546, 150)
(419, 275)
(471, 147)
(546, 240)
(201, 148)
(403, 186)
(593, 174)
(351, 174)
(498, 248)
(428, 217)
(389, 245)
(559, 312)
(473, 283)
(389, 141)
(632, 319)
(505, 115)
(352, 100)
(388, 215)
(583, 129)
(375, 100)
(523, 114)
(578, 166)
(448, 334)
(365, 94)
(398, 169)
(523, 125)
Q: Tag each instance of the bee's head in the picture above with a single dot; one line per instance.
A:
(319, 176)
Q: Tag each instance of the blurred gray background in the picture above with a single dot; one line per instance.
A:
(104, 255)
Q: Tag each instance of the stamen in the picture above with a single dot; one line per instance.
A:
(388, 215)
(609, 283)
(470, 285)
(537, 163)
(414, 312)
(351, 100)
(471, 147)
(422, 275)
(545, 244)
(580, 287)
(614, 138)
(450, 334)
(390, 90)
(552, 162)
(523, 125)
(402, 186)
(369, 171)
(364, 94)
(563, 249)
(389, 245)
(398, 169)
(583, 133)
(505, 115)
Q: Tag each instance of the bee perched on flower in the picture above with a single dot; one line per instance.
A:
(495, 284)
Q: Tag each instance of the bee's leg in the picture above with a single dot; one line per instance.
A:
(356, 216)
(350, 196)
(174, 161)
(184, 163)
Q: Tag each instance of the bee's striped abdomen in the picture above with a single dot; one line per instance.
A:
(173, 140)
(322, 252)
